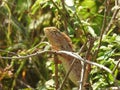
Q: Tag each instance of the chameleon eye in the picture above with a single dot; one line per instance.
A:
(62, 47)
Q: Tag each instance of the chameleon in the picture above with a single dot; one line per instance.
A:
(60, 41)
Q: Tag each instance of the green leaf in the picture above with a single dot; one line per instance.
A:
(91, 31)
(35, 6)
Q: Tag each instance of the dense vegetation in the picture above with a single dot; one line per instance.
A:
(91, 24)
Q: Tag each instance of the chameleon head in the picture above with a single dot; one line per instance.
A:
(57, 39)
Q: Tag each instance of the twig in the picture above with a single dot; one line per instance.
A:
(83, 47)
(87, 67)
(113, 71)
(23, 83)
(102, 30)
(113, 17)
(63, 5)
(75, 55)
(116, 81)
(8, 52)
(17, 73)
(82, 70)
(82, 77)
(64, 17)
(56, 70)
(65, 20)
(27, 56)
(72, 54)
(66, 76)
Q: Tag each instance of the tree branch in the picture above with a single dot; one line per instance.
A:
(72, 54)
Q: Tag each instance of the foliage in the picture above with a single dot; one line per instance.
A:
(21, 34)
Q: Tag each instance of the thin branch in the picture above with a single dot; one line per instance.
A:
(113, 17)
(13, 53)
(82, 77)
(116, 81)
(102, 29)
(27, 56)
(24, 84)
(83, 47)
(56, 71)
(113, 71)
(66, 20)
(66, 76)
(87, 67)
(72, 54)
(64, 16)
(75, 55)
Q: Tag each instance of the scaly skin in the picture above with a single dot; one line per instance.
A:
(60, 41)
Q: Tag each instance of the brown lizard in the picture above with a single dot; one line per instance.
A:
(60, 41)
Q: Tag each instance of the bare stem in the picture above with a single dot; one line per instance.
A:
(56, 71)
(113, 17)
(116, 66)
(102, 29)
(72, 54)
(66, 76)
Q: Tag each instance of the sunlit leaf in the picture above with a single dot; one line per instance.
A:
(36, 6)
